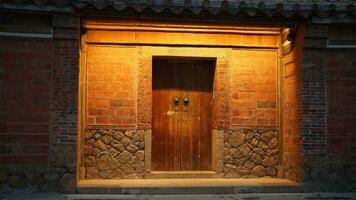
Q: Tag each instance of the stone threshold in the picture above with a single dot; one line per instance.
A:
(182, 174)
(188, 186)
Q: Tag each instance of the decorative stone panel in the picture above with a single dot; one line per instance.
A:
(112, 154)
(251, 153)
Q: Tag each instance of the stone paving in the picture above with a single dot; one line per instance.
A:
(275, 196)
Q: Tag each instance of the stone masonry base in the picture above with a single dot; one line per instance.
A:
(114, 154)
(251, 153)
(37, 179)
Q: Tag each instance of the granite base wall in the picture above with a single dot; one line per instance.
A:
(112, 154)
(120, 154)
(251, 153)
(329, 174)
(37, 179)
(330, 178)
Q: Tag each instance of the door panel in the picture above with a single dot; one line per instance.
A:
(181, 135)
(166, 117)
(196, 115)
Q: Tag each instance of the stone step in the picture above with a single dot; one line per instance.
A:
(188, 186)
(182, 175)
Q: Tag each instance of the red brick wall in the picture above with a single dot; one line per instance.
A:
(38, 109)
(254, 88)
(39, 79)
(314, 93)
(314, 102)
(111, 86)
(25, 84)
(341, 97)
(329, 135)
(341, 93)
(25, 66)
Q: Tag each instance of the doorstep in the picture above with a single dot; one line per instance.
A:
(188, 186)
(182, 175)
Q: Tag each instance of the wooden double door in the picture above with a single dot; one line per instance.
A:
(181, 124)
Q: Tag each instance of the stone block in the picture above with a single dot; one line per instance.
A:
(258, 171)
(68, 183)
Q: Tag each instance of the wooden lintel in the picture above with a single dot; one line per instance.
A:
(167, 27)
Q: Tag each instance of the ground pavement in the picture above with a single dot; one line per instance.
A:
(275, 196)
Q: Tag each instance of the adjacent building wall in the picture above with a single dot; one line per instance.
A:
(329, 96)
(25, 67)
(38, 89)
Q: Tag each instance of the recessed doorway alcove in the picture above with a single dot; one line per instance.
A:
(166, 100)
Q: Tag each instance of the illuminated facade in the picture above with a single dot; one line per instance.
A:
(177, 89)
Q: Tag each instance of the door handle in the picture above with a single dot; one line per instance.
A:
(175, 101)
(186, 101)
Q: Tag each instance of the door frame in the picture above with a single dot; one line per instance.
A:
(222, 60)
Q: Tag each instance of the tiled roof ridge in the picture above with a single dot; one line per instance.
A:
(287, 8)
